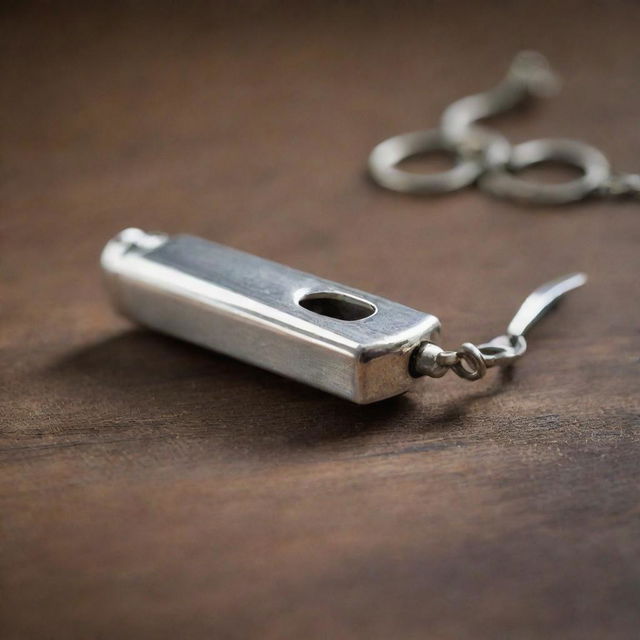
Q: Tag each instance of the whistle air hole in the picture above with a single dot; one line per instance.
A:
(341, 306)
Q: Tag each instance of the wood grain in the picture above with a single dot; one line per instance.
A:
(149, 489)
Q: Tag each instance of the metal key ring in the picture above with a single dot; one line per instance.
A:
(594, 165)
(384, 158)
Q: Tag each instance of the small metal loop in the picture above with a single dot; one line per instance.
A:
(503, 350)
(385, 157)
(472, 357)
(592, 162)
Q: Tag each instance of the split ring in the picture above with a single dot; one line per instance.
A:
(385, 157)
(595, 167)
(475, 363)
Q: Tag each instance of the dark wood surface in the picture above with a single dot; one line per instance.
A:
(150, 489)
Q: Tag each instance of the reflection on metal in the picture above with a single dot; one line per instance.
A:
(350, 343)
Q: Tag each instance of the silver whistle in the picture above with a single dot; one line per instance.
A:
(353, 344)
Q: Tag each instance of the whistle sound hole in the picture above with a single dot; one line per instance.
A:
(337, 305)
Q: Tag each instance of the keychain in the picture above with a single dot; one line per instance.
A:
(353, 344)
(486, 157)
(350, 343)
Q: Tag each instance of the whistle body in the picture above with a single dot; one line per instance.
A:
(353, 344)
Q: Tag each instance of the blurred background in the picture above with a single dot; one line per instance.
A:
(153, 490)
(250, 123)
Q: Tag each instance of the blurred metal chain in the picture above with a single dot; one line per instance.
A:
(486, 157)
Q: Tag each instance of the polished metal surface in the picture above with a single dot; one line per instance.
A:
(336, 338)
(344, 341)
(540, 301)
(471, 362)
(484, 156)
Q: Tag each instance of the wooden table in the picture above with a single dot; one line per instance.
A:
(150, 489)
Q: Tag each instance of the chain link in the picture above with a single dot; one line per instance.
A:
(471, 361)
(486, 158)
(468, 362)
